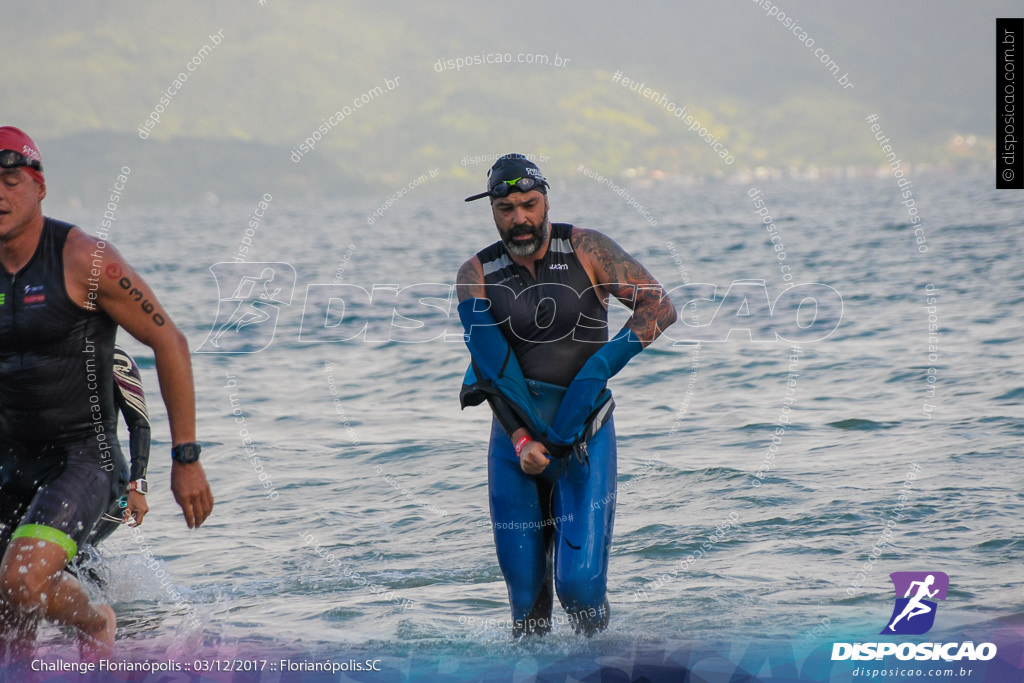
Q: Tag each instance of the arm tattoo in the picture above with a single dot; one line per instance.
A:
(627, 280)
(147, 306)
(469, 283)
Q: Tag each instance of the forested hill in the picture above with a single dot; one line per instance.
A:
(84, 77)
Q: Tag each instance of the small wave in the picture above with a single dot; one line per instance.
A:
(1013, 395)
(857, 424)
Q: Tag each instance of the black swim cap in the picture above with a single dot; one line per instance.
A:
(506, 170)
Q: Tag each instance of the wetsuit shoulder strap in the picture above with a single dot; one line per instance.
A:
(55, 235)
(493, 260)
(57, 229)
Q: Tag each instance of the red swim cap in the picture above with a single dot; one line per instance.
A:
(19, 141)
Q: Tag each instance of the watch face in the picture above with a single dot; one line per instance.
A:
(186, 452)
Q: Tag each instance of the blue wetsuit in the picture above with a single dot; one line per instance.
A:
(556, 526)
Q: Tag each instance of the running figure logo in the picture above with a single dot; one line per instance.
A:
(247, 318)
(914, 613)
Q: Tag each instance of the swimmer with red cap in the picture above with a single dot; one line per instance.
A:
(63, 294)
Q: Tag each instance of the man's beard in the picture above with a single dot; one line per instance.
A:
(527, 247)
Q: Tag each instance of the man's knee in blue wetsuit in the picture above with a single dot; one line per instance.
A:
(584, 511)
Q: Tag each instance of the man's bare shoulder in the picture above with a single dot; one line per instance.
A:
(590, 240)
(579, 233)
(469, 283)
(81, 248)
(600, 255)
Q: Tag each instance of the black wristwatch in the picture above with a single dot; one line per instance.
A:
(186, 453)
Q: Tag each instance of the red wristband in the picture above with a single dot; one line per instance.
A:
(519, 446)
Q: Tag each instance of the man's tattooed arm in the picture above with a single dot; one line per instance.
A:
(469, 283)
(623, 277)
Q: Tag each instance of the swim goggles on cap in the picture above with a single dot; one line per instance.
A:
(503, 187)
(11, 159)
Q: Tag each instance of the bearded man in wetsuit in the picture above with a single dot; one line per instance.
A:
(62, 296)
(534, 305)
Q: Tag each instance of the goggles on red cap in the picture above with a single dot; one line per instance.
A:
(17, 150)
(9, 158)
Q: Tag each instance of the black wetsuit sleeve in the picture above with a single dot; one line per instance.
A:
(503, 410)
(131, 401)
(507, 417)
